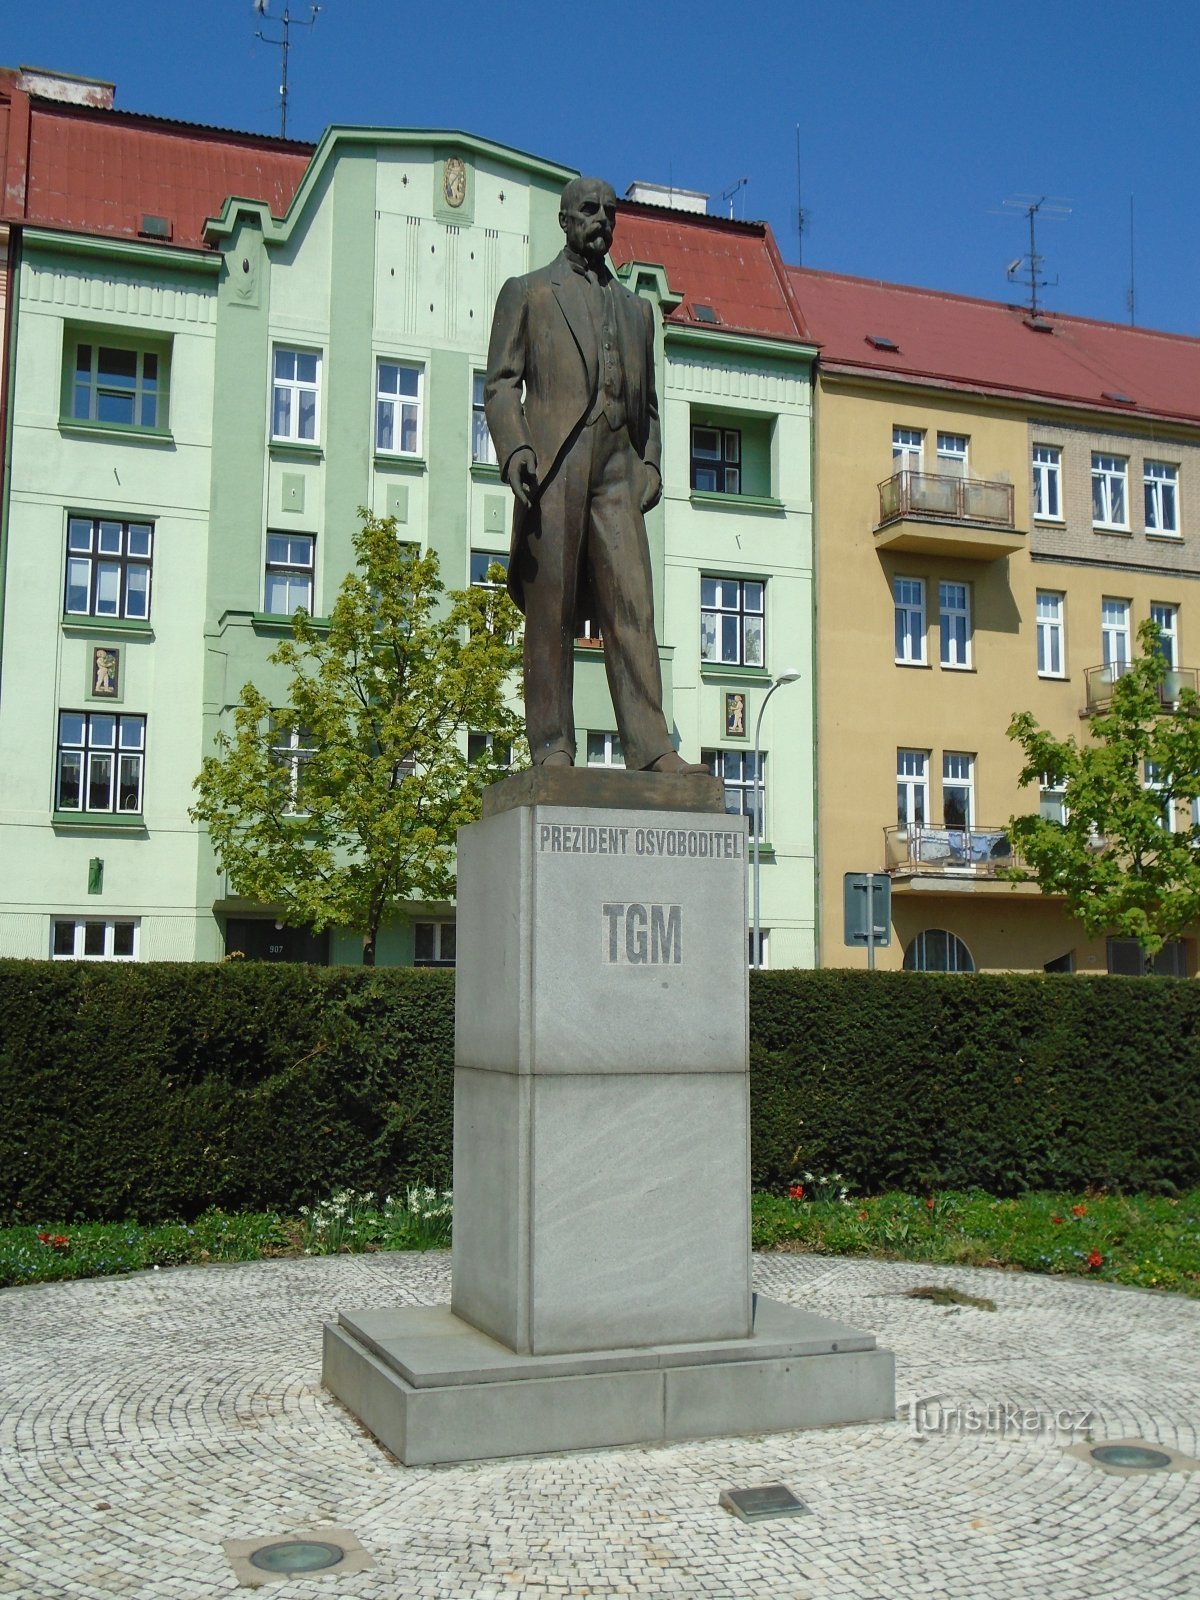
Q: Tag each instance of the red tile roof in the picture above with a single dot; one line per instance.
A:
(96, 171)
(988, 346)
(731, 267)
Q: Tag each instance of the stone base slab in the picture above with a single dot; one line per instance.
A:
(433, 1389)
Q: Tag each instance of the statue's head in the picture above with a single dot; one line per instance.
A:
(587, 214)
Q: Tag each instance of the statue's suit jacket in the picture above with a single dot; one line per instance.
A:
(544, 343)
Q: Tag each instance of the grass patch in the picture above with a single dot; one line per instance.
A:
(1145, 1240)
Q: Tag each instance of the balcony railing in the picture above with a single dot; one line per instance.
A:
(1100, 681)
(945, 496)
(916, 850)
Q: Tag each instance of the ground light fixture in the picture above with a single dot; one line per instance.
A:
(788, 675)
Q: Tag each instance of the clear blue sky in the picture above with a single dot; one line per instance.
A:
(916, 122)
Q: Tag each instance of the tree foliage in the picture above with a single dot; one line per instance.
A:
(1126, 857)
(343, 802)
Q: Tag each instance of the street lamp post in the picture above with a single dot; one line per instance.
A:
(788, 675)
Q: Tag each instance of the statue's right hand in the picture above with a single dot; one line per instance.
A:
(521, 475)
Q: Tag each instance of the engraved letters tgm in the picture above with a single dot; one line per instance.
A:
(640, 935)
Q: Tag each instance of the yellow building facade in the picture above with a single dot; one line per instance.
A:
(981, 549)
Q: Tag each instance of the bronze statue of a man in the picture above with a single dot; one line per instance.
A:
(571, 405)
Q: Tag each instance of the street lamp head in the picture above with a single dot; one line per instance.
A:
(788, 675)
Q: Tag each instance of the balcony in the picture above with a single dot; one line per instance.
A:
(943, 514)
(970, 854)
(1099, 685)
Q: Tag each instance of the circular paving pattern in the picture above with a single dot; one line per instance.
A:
(144, 1420)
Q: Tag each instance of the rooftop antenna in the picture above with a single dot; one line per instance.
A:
(285, 44)
(802, 216)
(1033, 207)
(1130, 297)
(729, 194)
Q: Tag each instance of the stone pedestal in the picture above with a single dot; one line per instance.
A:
(601, 1271)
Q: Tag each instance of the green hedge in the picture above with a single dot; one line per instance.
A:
(154, 1091)
(920, 1081)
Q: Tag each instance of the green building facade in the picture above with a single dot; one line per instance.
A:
(191, 433)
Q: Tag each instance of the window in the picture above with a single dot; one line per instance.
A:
(912, 787)
(736, 769)
(764, 945)
(935, 950)
(1052, 805)
(480, 744)
(952, 454)
(483, 451)
(1047, 481)
(909, 597)
(732, 621)
(291, 748)
(1114, 632)
(100, 758)
(1167, 618)
(1050, 652)
(908, 445)
(1126, 958)
(88, 939)
(1154, 782)
(954, 609)
(604, 750)
(435, 944)
(717, 460)
(958, 789)
(119, 385)
(289, 585)
(1161, 483)
(294, 398)
(1108, 491)
(398, 409)
(483, 563)
(108, 568)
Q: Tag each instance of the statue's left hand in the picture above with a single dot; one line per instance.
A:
(652, 489)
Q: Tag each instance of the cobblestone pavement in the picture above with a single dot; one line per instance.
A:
(146, 1419)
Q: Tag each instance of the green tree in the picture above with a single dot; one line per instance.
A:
(1126, 856)
(343, 802)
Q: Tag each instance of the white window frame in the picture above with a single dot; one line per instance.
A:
(96, 387)
(483, 451)
(1154, 783)
(735, 768)
(1052, 799)
(716, 460)
(1160, 485)
(1114, 631)
(958, 775)
(289, 566)
(1047, 483)
(79, 951)
(101, 554)
(912, 788)
(741, 602)
(604, 749)
(1110, 484)
(289, 423)
(125, 753)
(292, 749)
(399, 411)
(908, 448)
(916, 956)
(764, 947)
(1051, 605)
(481, 562)
(1167, 617)
(478, 743)
(908, 600)
(952, 454)
(954, 626)
(438, 942)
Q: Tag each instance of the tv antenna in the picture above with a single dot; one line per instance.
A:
(802, 216)
(729, 194)
(1033, 207)
(285, 44)
(1130, 297)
